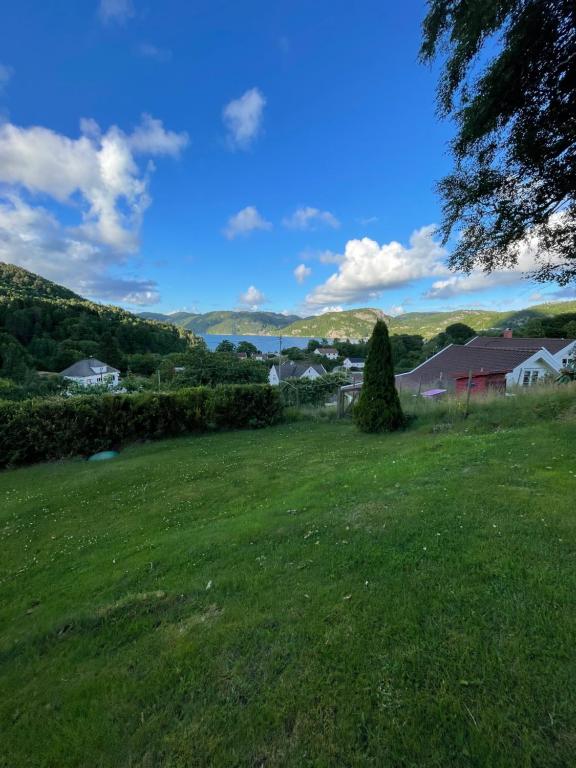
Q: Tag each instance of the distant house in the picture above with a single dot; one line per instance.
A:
(330, 352)
(291, 370)
(241, 355)
(490, 362)
(91, 371)
(354, 362)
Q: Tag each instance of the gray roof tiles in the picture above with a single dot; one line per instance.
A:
(84, 368)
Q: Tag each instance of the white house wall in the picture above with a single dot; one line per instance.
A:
(541, 361)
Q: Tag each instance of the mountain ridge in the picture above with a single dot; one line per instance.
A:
(355, 323)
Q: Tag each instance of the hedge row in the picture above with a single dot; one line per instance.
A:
(44, 430)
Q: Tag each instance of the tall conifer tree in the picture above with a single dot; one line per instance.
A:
(378, 408)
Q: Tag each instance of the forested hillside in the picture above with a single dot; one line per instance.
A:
(356, 323)
(47, 327)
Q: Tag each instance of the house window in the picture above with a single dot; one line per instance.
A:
(530, 377)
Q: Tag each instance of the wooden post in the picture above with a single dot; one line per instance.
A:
(468, 390)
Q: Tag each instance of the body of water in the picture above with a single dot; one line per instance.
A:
(263, 343)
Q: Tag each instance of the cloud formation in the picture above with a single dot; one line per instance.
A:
(115, 11)
(302, 272)
(252, 298)
(367, 268)
(529, 254)
(243, 118)
(97, 175)
(310, 218)
(245, 221)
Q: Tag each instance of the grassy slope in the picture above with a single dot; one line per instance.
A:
(401, 600)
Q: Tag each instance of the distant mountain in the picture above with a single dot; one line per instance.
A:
(350, 324)
(353, 323)
(227, 322)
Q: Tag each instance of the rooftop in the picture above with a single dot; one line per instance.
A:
(86, 367)
(501, 342)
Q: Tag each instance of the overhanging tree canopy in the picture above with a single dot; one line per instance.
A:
(515, 148)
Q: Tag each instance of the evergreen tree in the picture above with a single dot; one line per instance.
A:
(378, 408)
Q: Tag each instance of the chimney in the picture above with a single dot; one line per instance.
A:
(507, 333)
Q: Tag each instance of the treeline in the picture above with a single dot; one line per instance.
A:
(46, 327)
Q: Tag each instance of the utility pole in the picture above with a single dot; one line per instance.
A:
(279, 358)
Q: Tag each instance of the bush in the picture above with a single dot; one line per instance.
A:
(378, 408)
(312, 392)
(43, 430)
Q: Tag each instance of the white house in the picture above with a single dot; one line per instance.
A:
(330, 352)
(513, 362)
(354, 362)
(560, 349)
(291, 370)
(91, 371)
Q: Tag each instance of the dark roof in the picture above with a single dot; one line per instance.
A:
(500, 342)
(295, 370)
(326, 349)
(456, 359)
(356, 359)
(84, 368)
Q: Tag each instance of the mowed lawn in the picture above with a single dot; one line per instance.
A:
(299, 596)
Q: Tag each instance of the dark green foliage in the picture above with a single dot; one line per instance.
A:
(202, 367)
(225, 346)
(56, 328)
(557, 327)
(515, 149)
(44, 430)
(247, 347)
(378, 408)
(311, 391)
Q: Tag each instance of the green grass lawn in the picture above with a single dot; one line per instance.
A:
(299, 596)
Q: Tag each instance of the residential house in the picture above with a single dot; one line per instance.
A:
(91, 371)
(292, 370)
(354, 362)
(490, 363)
(330, 352)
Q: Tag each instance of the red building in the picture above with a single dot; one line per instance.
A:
(481, 381)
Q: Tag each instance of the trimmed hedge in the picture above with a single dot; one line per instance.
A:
(44, 430)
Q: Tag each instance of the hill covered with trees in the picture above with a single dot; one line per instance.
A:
(46, 327)
(356, 323)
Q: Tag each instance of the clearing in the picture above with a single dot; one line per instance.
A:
(299, 596)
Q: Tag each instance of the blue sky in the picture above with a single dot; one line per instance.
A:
(212, 154)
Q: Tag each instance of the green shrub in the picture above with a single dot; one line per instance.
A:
(48, 429)
(378, 408)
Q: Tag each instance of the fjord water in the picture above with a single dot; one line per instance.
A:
(263, 343)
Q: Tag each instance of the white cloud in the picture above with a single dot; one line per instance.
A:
(243, 118)
(397, 309)
(6, 73)
(115, 11)
(150, 51)
(368, 220)
(367, 268)
(151, 138)
(302, 272)
(529, 257)
(310, 218)
(333, 308)
(245, 221)
(96, 174)
(32, 237)
(252, 298)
